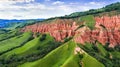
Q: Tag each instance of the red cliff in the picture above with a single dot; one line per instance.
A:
(107, 29)
(59, 29)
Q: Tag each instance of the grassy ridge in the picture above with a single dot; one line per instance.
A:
(8, 34)
(55, 58)
(22, 49)
(31, 51)
(14, 42)
(89, 61)
(102, 49)
(64, 56)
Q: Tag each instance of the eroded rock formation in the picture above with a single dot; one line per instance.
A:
(107, 30)
(59, 29)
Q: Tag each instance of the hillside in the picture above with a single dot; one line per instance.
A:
(81, 39)
(103, 29)
(69, 58)
(13, 23)
(106, 10)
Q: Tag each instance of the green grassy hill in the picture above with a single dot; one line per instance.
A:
(30, 51)
(16, 41)
(6, 34)
(64, 56)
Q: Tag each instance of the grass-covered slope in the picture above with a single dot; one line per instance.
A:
(9, 44)
(6, 34)
(31, 51)
(64, 56)
(55, 58)
(102, 50)
(89, 21)
(104, 54)
(89, 61)
(22, 49)
(112, 7)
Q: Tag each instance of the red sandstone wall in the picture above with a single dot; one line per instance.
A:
(111, 32)
(107, 29)
(59, 30)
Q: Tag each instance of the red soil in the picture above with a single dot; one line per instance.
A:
(59, 29)
(107, 29)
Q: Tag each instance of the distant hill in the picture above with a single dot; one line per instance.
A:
(112, 9)
(108, 8)
(5, 23)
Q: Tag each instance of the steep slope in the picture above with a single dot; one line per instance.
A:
(59, 29)
(14, 42)
(31, 51)
(102, 33)
(103, 29)
(6, 34)
(64, 56)
(106, 31)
